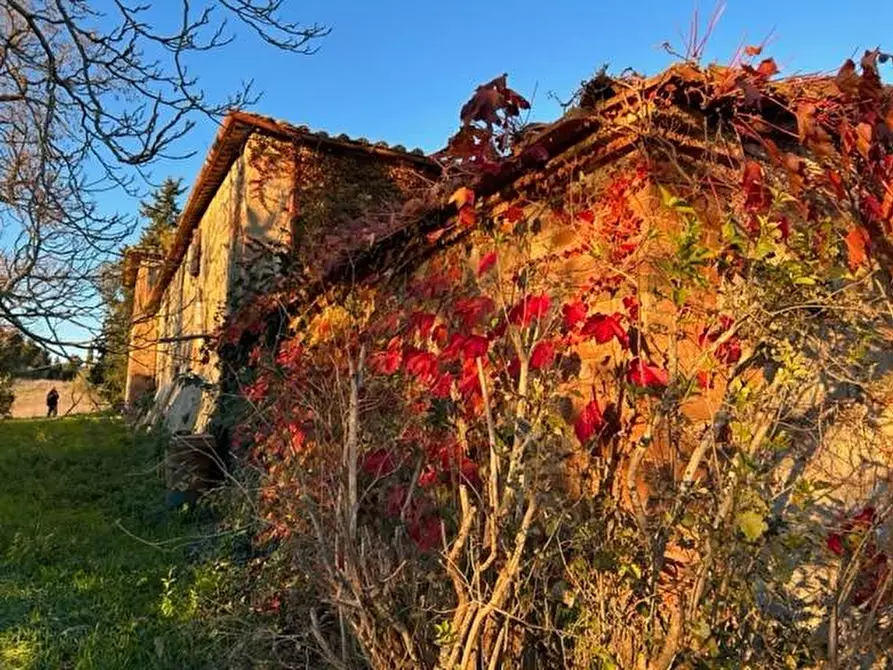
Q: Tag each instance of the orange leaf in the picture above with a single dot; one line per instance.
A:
(857, 242)
(753, 51)
(837, 183)
(864, 133)
(467, 217)
(462, 196)
(887, 205)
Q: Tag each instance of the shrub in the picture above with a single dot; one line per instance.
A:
(7, 397)
(591, 423)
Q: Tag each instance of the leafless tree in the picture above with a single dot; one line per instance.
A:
(91, 95)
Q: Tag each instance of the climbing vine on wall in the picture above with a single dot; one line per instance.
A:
(586, 423)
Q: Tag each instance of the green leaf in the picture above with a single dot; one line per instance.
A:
(701, 630)
(764, 248)
(752, 525)
(805, 281)
(630, 568)
(674, 202)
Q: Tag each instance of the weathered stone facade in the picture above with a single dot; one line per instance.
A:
(266, 189)
(142, 272)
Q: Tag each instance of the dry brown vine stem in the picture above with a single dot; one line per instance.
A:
(468, 646)
(764, 423)
(351, 448)
(493, 479)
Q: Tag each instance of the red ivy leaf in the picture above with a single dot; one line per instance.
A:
(835, 543)
(756, 195)
(529, 308)
(387, 362)
(586, 216)
(473, 310)
(514, 214)
(543, 354)
(469, 471)
(491, 98)
(475, 346)
(514, 367)
(379, 463)
(871, 208)
(729, 352)
(454, 348)
(498, 330)
(442, 386)
(767, 68)
(421, 364)
(632, 307)
(469, 381)
(426, 533)
(705, 380)
(487, 262)
(646, 376)
(428, 477)
(847, 80)
(865, 518)
(589, 422)
(423, 322)
(604, 328)
(574, 314)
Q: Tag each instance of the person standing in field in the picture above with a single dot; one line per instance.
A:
(53, 402)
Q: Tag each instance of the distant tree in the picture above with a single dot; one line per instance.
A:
(108, 375)
(89, 99)
(7, 397)
(160, 213)
(20, 357)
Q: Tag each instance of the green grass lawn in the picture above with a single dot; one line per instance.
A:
(76, 591)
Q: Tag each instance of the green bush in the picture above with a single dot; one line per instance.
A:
(7, 397)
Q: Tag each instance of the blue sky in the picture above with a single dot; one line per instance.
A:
(399, 71)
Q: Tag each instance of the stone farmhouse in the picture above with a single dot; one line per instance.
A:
(269, 189)
(630, 162)
(263, 186)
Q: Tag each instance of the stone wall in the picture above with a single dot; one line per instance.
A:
(198, 296)
(276, 199)
(141, 367)
(853, 451)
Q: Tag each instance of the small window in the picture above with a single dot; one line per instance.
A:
(195, 261)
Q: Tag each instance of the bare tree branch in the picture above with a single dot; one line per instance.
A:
(89, 99)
